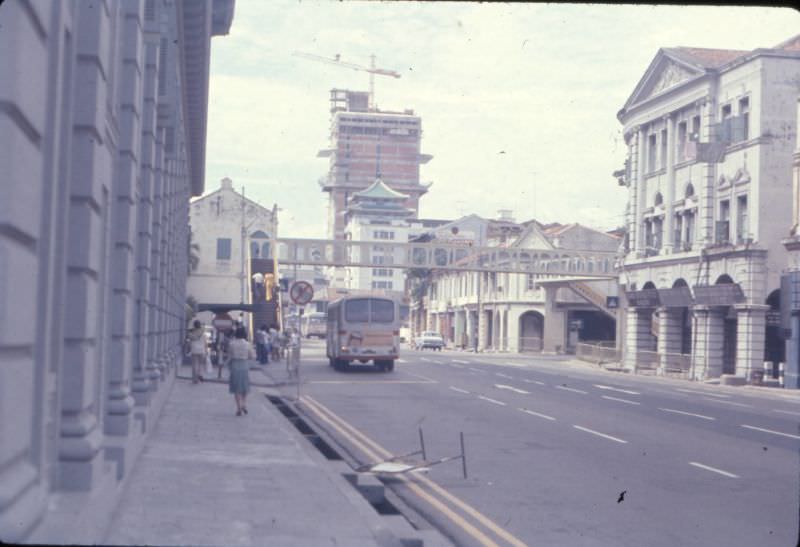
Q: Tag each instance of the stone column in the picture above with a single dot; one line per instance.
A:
(669, 191)
(641, 188)
(638, 334)
(90, 180)
(751, 324)
(130, 116)
(705, 220)
(669, 335)
(555, 323)
(708, 342)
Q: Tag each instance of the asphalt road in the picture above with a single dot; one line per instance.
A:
(564, 454)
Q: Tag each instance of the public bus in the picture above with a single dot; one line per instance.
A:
(314, 324)
(363, 329)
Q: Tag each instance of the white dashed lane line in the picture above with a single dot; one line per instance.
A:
(771, 431)
(494, 401)
(787, 412)
(537, 382)
(460, 361)
(459, 390)
(476, 370)
(621, 400)
(510, 388)
(572, 389)
(687, 413)
(628, 391)
(593, 432)
(437, 362)
(693, 392)
(532, 413)
(727, 402)
(714, 470)
(425, 359)
(501, 375)
(402, 361)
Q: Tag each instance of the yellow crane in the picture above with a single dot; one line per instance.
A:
(371, 69)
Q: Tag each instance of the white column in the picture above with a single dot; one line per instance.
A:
(709, 337)
(641, 188)
(751, 324)
(669, 191)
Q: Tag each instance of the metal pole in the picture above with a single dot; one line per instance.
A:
(242, 250)
(463, 455)
(422, 444)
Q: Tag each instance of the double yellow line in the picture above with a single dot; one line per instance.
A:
(377, 453)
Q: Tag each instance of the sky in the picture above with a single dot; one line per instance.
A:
(541, 83)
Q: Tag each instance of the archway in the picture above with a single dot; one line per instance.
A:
(729, 332)
(686, 320)
(774, 343)
(531, 331)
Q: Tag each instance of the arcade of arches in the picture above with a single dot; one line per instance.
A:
(724, 337)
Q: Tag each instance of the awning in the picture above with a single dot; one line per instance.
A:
(645, 298)
(676, 297)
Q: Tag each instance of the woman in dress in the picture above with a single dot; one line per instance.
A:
(240, 353)
(197, 348)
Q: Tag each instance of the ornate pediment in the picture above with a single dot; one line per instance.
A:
(741, 176)
(671, 75)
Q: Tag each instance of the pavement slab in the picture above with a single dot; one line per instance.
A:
(208, 477)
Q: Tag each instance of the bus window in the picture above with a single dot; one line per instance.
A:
(382, 311)
(357, 310)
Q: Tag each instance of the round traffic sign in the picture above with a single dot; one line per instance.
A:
(301, 293)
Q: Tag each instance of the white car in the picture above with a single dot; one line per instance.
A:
(430, 339)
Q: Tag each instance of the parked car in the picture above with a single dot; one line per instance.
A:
(430, 339)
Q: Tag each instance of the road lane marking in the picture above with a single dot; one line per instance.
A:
(435, 361)
(532, 413)
(424, 359)
(771, 431)
(703, 393)
(727, 402)
(787, 412)
(459, 390)
(714, 469)
(687, 413)
(495, 401)
(533, 381)
(460, 361)
(476, 369)
(510, 388)
(501, 375)
(518, 365)
(621, 400)
(427, 381)
(572, 389)
(629, 392)
(593, 432)
(454, 517)
(402, 361)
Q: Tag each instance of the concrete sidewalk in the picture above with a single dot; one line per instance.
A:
(208, 477)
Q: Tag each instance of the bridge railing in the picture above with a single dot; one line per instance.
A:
(443, 256)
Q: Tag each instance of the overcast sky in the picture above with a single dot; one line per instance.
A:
(540, 82)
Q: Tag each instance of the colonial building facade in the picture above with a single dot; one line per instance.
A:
(505, 311)
(791, 281)
(102, 120)
(710, 135)
(228, 230)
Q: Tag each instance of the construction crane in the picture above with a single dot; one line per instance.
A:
(371, 69)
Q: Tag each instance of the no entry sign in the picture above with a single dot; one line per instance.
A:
(301, 293)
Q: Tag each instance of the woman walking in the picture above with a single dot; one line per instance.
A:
(240, 353)
(197, 349)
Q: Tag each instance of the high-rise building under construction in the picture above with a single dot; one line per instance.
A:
(368, 144)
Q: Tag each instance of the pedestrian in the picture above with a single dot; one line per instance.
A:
(222, 351)
(274, 340)
(262, 347)
(258, 287)
(240, 353)
(197, 349)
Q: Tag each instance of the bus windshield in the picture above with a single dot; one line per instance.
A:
(369, 310)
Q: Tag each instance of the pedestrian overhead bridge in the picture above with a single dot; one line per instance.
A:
(444, 256)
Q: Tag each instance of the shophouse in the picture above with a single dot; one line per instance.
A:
(710, 136)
